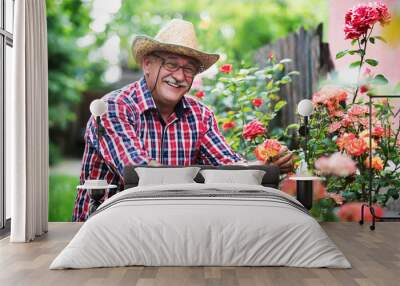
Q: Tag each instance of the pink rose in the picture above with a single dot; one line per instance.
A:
(253, 129)
(334, 127)
(358, 110)
(337, 198)
(337, 165)
(331, 97)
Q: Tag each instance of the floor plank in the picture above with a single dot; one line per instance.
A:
(374, 255)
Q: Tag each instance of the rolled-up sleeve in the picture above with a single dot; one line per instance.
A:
(120, 143)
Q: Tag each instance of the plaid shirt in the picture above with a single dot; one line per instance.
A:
(135, 134)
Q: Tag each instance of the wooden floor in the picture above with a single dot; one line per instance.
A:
(375, 257)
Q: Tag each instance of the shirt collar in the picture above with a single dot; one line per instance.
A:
(145, 100)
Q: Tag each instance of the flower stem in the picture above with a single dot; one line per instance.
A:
(363, 53)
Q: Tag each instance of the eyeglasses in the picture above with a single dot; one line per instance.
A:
(173, 66)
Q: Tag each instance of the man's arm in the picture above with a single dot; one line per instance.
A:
(119, 144)
(214, 149)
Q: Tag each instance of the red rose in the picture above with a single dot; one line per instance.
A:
(378, 131)
(253, 129)
(384, 15)
(363, 88)
(257, 102)
(226, 68)
(361, 18)
(228, 125)
(200, 94)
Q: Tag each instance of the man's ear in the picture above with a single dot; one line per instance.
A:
(146, 65)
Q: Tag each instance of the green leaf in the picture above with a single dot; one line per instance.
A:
(371, 62)
(285, 61)
(372, 40)
(292, 126)
(380, 38)
(380, 79)
(355, 64)
(293, 73)
(270, 84)
(353, 42)
(278, 106)
(341, 54)
(359, 51)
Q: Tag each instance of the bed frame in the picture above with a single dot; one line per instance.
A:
(270, 179)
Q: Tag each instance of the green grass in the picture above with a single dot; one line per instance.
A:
(62, 193)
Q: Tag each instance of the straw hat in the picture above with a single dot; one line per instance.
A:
(177, 36)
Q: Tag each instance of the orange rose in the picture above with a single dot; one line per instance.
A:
(356, 147)
(377, 163)
(365, 136)
(268, 149)
(343, 140)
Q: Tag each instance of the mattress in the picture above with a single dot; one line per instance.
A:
(201, 225)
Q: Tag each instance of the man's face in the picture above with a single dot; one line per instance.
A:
(175, 76)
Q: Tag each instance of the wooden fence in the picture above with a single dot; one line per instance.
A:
(310, 56)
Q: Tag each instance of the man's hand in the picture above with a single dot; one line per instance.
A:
(284, 160)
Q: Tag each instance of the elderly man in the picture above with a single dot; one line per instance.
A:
(151, 121)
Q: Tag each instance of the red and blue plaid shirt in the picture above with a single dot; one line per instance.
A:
(135, 134)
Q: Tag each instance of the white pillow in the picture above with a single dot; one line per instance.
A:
(248, 177)
(166, 176)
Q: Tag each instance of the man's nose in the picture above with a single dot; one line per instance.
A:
(179, 75)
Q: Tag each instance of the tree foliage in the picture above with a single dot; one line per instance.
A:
(70, 71)
(234, 28)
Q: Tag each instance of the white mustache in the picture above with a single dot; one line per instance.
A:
(170, 79)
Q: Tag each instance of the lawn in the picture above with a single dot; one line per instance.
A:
(62, 192)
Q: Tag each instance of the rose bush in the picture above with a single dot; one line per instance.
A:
(245, 101)
(340, 140)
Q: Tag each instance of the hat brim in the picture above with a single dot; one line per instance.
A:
(143, 45)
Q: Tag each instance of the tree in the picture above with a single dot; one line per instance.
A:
(70, 71)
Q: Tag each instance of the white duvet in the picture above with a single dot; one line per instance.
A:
(185, 230)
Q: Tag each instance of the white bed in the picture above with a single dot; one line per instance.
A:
(203, 225)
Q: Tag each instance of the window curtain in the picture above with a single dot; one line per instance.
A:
(27, 124)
